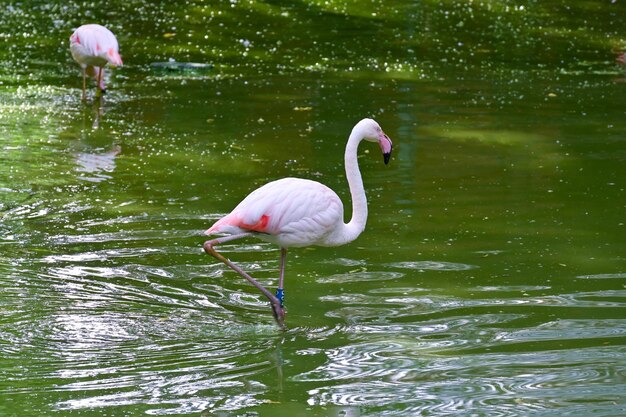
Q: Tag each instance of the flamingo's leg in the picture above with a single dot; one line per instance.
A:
(280, 291)
(277, 308)
(84, 84)
(100, 91)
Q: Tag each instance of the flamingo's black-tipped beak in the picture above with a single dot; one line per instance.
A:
(386, 146)
(387, 157)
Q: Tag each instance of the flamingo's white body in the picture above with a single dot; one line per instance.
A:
(290, 212)
(93, 46)
(295, 212)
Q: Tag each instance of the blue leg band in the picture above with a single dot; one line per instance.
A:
(280, 294)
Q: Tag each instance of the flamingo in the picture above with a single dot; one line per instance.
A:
(296, 212)
(93, 46)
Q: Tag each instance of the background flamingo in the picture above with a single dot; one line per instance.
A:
(295, 212)
(93, 46)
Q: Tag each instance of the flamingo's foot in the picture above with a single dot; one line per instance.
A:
(279, 315)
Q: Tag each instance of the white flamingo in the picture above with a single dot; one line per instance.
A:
(93, 46)
(295, 212)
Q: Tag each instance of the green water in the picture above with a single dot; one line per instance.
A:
(490, 280)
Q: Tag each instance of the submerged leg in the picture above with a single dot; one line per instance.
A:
(277, 308)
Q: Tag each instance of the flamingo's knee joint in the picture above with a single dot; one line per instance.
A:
(208, 247)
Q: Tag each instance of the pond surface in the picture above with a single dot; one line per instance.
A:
(490, 279)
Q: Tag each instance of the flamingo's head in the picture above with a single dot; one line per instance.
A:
(371, 131)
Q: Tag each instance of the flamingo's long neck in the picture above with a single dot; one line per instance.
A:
(351, 230)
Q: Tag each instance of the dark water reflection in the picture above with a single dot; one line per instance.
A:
(489, 281)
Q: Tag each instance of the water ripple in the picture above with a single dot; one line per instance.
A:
(362, 276)
(603, 276)
(107, 338)
(391, 373)
(564, 330)
(432, 266)
(101, 255)
(402, 303)
(357, 361)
